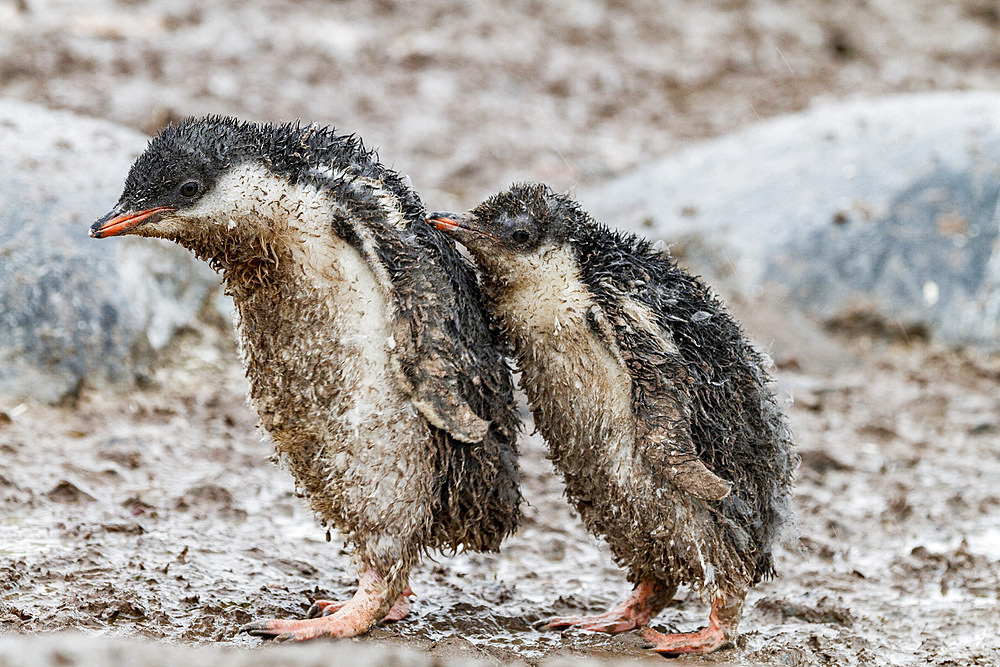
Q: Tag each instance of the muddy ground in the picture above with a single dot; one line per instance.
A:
(156, 513)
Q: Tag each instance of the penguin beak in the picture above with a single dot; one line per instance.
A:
(119, 222)
(461, 226)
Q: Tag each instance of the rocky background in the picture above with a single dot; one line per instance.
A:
(831, 169)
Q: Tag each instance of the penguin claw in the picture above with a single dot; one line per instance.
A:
(249, 628)
(611, 623)
(324, 608)
(256, 629)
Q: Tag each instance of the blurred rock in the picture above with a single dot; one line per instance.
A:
(73, 309)
(874, 214)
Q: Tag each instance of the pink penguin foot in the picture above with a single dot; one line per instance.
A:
(400, 608)
(710, 638)
(348, 619)
(611, 622)
(646, 601)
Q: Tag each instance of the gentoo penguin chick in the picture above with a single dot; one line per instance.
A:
(371, 360)
(655, 407)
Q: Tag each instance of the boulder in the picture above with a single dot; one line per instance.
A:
(75, 310)
(884, 209)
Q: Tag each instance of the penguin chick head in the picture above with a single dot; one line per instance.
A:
(168, 191)
(513, 225)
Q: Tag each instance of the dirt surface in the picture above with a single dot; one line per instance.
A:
(157, 513)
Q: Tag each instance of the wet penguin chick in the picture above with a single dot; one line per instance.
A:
(655, 407)
(372, 362)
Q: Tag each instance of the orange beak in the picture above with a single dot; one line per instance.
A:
(443, 221)
(115, 223)
(461, 226)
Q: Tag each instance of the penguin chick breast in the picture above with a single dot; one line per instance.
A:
(578, 387)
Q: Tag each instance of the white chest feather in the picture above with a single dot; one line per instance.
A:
(337, 337)
(579, 387)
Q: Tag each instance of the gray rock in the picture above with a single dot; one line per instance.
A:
(885, 208)
(74, 309)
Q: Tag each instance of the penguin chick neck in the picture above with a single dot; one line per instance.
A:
(256, 227)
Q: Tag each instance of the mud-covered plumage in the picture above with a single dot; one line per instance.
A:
(372, 362)
(655, 406)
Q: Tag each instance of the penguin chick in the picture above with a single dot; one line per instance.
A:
(655, 407)
(371, 360)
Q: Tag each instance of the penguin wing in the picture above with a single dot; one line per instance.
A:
(434, 366)
(433, 352)
(663, 426)
(661, 404)
(433, 360)
(431, 373)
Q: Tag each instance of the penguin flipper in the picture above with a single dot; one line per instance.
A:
(659, 403)
(663, 426)
(432, 378)
(433, 360)
(444, 407)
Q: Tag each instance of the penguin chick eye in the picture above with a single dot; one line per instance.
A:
(520, 236)
(189, 189)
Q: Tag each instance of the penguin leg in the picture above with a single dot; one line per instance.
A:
(719, 633)
(370, 604)
(400, 608)
(648, 599)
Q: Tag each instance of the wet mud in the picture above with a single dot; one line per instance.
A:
(160, 514)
